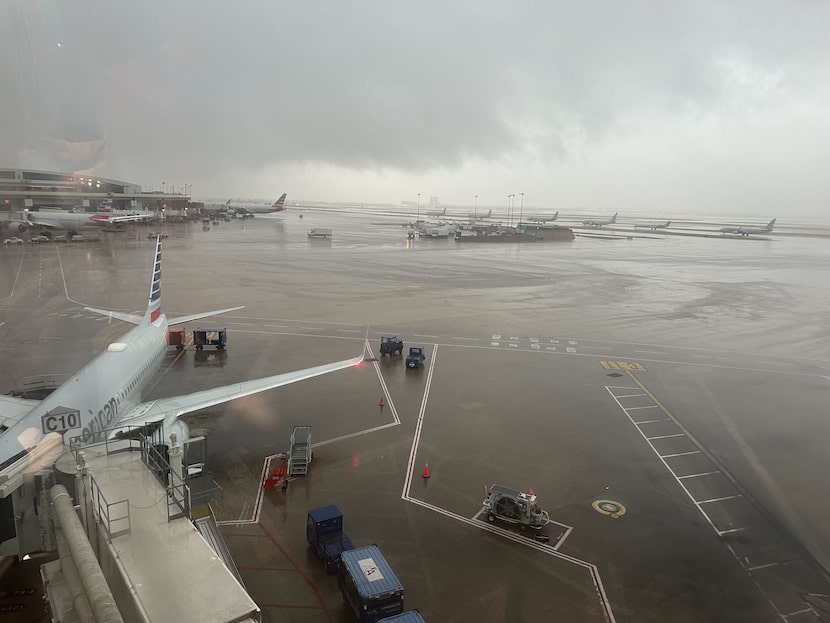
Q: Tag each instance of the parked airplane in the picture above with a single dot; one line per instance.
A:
(437, 213)
(653, 226)
(747, 230)
(600, 222)
(541, 218)
(256, 208)
(73, 222)
(104, 398)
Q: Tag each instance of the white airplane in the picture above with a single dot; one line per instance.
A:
(652, 226)
(256, 208)
(746, 231)
(600, 222)
(73, 222)
(541, 218)
(437, 213)
(104, 398)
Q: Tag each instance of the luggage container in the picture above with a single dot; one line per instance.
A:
(209, 337)
(369, 586)
(413, 616)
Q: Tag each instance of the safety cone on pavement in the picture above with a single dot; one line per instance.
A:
(426, 470)
(380, 402)
(530, 492)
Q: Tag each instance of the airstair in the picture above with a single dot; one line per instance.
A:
(300, 453)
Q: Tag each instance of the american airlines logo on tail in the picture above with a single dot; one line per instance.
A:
(279, 204)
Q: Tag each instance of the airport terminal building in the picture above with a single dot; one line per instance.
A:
(27, 189)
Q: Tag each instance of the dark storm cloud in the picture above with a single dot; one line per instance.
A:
(204, 87)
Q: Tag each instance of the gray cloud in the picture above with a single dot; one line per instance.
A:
(205, 90)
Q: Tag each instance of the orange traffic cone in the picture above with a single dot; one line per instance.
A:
(530, 492)
(380, 402)
(426, 470)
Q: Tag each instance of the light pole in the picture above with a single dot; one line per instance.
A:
(418, 218)
(162, 187)
(475, 209)
(521, 207)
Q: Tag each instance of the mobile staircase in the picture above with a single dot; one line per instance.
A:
(300, 453)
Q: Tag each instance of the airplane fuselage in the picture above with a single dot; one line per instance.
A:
(101, 392)
(69, 221)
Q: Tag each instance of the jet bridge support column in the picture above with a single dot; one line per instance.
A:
(98, 592)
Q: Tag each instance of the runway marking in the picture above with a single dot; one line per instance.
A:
(759, 567)
(728, 497)
(548, 549)
(650, 352)
(651, 421)
(312, 328)
(471, 339)
(421, 335)
(276, 326)
(246, 324)
(349, 330)
(630, 396)
(792, 614)
(666, 436)
(620, 365)
(648, 407)
(698, 475)
(740, 491)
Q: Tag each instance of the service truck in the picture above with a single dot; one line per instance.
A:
(324, 532)
(319, 232)
(369, 586)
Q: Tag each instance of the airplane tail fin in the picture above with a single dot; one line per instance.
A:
(556, 215)
(489, 212)
(771, 224)
(228, 202)
(279, 204)
(154, 302)
(614, 218)
(106, 204)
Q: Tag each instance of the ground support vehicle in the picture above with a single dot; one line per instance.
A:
(416, 357)
(324, 532)
(210, 337)
(319, 232)
(368, 584)
(300, 453)
(176, 337)
(13, 240)
(390, 345)
(515, 507)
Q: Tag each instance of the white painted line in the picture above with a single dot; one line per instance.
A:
(350, 330)
(722, 532)
(757, 567)
(471, 339)
(631, 396)
(597, 347)
(635, 408)
(276, 326)
(619, 387)
(792, 614)
(312, 328)
(668, 456)
(698, 475)
(651, 352)
(710, 357)
(246, 324)
(728, 497)
(665, 419)
(666, 436)
(421, 335)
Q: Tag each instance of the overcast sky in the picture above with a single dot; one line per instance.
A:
(654, 107)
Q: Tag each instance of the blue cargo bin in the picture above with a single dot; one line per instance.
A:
(413, 616)
(369, 586)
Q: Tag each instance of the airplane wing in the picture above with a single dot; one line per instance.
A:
(132, 318)
(192, 317)
(13, 409)
(127, 218)
(170, 409)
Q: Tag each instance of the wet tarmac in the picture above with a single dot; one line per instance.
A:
(663, 396)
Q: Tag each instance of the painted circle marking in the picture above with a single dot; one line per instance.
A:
(613, 509)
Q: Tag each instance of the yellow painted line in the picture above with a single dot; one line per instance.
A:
(623, 365)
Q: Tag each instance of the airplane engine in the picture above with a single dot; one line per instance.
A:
(15, 226)
(181, 430)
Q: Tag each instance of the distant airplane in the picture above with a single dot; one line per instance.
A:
(104, 398)
(747, 230)
(653, 226)
(600, 222)
(73, 222)
(256, 208)
(541, 218)
(480, 217)
(434, 213)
